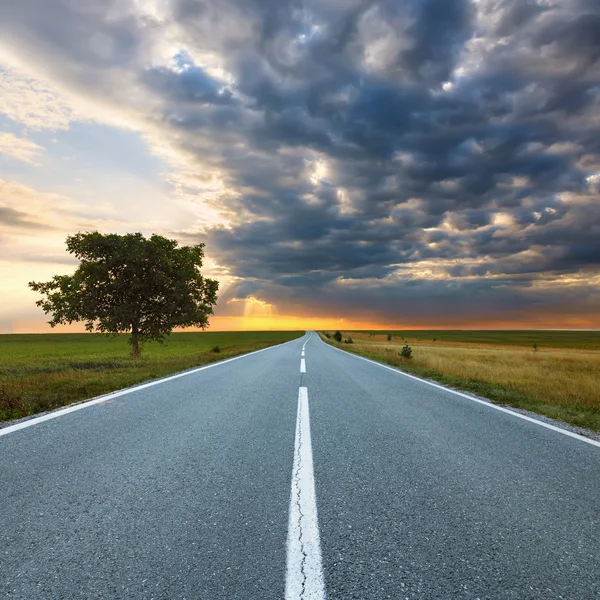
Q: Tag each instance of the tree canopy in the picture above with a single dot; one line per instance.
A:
(129, 283)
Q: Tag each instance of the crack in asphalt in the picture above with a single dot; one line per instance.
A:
(298, 502)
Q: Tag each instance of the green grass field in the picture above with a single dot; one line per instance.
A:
(45, 371)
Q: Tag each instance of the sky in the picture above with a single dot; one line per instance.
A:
(348, 163)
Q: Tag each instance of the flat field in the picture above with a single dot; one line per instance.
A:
(44, 371)
(560, 380)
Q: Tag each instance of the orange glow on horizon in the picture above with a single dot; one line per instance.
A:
(275, 322)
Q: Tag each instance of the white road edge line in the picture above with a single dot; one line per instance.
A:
(110, 396)
(304, 571)
(302, 365)
(488, 404)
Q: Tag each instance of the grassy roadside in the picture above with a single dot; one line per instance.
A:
(46, 371)
(580, 340)
(560, 382)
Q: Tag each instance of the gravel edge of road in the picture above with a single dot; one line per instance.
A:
(593, 435)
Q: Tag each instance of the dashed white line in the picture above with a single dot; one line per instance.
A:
(306, 342)
(302, 365)
(304, 571)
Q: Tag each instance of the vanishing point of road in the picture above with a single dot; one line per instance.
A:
(297, 472)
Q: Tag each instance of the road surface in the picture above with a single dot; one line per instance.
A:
(297, 474)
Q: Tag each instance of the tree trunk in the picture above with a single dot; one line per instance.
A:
(135, 347)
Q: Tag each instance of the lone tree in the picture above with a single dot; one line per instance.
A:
(129, 283)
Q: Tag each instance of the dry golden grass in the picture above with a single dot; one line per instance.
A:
(562, 383)
(559, 376)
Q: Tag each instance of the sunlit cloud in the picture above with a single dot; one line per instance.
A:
(19, 148)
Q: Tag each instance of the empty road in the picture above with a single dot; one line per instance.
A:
(297, 472)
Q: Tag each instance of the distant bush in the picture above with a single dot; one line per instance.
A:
(535, 348)
(434, 339)
(216, 349)
(327, 335)
(348, 340)
(406, 351)
(337, 336)
(389, 337)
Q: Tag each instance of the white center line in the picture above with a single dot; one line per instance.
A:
(302, 365)
(302, 355)
(304, 572)
(306, 342)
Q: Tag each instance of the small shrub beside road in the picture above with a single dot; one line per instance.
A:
(406, 352)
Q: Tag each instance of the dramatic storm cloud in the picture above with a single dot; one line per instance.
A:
(426, 162)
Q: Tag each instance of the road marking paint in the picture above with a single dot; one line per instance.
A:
(306, 342)
(302, 365)
(302, 355)
(488, 404)
(304, 572)
(63, 411)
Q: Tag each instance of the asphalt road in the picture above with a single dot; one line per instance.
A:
(254, 480)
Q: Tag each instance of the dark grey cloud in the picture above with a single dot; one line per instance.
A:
(189, 84)
(10, 217)
(381, 158)
(439, 30)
